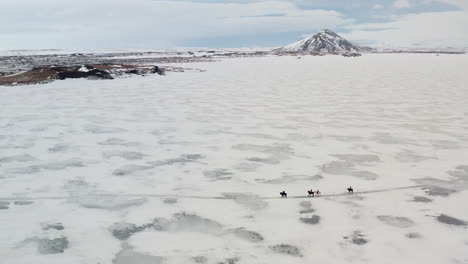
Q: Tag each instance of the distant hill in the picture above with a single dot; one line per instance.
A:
(326, 41)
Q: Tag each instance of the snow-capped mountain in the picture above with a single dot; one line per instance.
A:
(326, 41)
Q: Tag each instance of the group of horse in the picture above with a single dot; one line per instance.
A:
(313, 194)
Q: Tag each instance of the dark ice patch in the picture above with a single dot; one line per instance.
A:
(183, 159)
(287, 250)
(129, 155)
(4, 207)
(451, 220)
(52, 246)
(60, 147)
(17, 158)
(347, 138)
(413, 235)
(200, 259)
(218, 174)
(247, 167)
(60, 165)
(95, 129)
(23, 202)
(26, 170)
(56, 226)
(460, 172)
(305, 204)
(130, 169)
(359, 241)
(248, 235)
(387, 138)
(421, 199)
(438, 191)
(407, 156)
(365, 175)
(71, 163)
(249, 200)
(271, 161)
(170, 200)
(230, 261)
(179, 222)
(123, 231)
(357, 158)
(357, 238)
(118, 142)
(307, 211)
(339, 167)
(108, 202)
(128, 256)
(194, 223)
(293, 178)
(445, 144)
(277, 149)
(163, 131)
(396, 221)
(313, 220)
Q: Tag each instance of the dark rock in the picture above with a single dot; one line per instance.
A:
(132, 72)
(158, 70)
(95, 73)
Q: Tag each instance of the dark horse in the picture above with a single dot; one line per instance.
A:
(350, 190)
(283, 194)
(311, 193)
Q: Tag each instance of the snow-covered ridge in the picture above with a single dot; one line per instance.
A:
(326, 41)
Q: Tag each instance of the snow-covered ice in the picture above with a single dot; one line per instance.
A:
(187, 168)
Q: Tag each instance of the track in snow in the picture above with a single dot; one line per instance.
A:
(201, 197)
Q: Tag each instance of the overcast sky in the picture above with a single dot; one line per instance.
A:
(157, 24)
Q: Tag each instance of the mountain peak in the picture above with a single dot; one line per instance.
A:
(326, 41)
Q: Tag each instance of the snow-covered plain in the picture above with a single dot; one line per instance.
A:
(187, 168)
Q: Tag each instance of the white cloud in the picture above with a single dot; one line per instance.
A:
(401, 4)
(378, 6)
(460, 3)
(435, 29)
(150, 23)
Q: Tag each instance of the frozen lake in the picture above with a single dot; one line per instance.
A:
(183, 168)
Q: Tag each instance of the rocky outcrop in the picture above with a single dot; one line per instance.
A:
(91, 71)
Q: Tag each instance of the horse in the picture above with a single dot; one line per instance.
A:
(317, 192)
(311, 193)
(350, 190)
(284, 194)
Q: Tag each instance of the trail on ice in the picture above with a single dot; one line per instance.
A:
(104, 195)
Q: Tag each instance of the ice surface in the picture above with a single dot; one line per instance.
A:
(188, 168)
